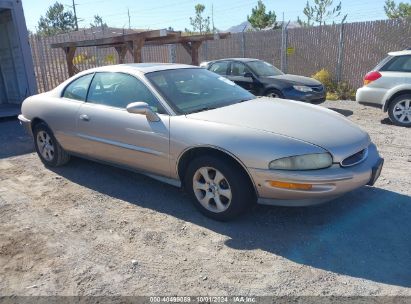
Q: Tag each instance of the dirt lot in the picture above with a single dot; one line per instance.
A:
(90, 229)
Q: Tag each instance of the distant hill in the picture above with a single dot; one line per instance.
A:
(246, 26)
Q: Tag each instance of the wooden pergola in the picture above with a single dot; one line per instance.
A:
(134, 43)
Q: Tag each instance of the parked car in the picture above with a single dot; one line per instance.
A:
(263, 79)
(388, 86)
(190, 127)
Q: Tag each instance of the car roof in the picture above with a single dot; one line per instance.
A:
(400, 53)
(142, 67)
(237, 59)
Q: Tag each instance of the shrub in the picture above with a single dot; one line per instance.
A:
(344, 91)
(325, 78)
(335, 91)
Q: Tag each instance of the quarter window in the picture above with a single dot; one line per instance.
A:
(220, 67)
(118, 90)
(78, 88)
(398, 64)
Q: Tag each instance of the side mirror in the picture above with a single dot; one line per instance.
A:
(248, 75)
(142, 108)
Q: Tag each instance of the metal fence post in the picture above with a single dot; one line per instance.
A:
(243, 41)
(340, 52)
(284, 38)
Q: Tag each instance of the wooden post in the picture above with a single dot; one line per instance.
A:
(121, 52)
(70, 51)
(192, 49)
(137, 47)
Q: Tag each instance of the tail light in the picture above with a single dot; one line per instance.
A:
(371, 76)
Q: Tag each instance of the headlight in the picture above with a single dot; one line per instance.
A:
(302, 88)
(303, 162)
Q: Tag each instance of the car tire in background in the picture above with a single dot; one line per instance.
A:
(47, 146)
(399, 110)
(220, 189)
(273, 93)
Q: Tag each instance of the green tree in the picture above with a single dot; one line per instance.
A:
(56, 21)
(98, 22)
(319, 13)
(400, 10)
(199, 23)
(260, 19)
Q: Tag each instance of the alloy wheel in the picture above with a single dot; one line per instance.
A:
(212, 189)
(45, 145)
(402, 111)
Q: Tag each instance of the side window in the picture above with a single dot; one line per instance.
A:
(398, 64)
(78, 88)
(238, 69)
(118, 90)
(220, 67)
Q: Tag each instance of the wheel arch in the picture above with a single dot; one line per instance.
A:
(272, 88)
(393, 96)
(192, 152)
(35, 121)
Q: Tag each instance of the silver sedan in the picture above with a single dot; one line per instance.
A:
(195, 129)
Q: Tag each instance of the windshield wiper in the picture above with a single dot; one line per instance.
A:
(202, 109)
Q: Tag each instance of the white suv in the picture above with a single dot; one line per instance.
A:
(388, 87)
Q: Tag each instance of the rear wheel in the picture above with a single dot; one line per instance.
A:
(220, 189)
(399, 110)
(47, 147)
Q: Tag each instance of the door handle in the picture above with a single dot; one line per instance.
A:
(84, 117)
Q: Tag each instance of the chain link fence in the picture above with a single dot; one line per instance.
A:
(347, 51)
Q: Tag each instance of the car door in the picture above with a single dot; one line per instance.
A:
(220, 68)
(237, 74)
(63, 119)
(110, 133)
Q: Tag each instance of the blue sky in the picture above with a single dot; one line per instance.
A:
(176, 13)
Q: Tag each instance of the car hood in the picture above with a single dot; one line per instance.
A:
(295, 79)
(312, 124)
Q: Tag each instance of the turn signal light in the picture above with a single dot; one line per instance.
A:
(293, 186)
(371, 76)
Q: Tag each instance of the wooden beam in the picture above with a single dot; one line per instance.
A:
(192, 50)
(121, 51)
(147, 35)
(70, 51)
(182, 39)
(137, 47)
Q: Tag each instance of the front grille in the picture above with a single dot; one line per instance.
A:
(355, 158)
(319, 88)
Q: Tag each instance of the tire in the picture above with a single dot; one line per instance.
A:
(399, 110)
(273, 93)
(47, 146)
(229, 192)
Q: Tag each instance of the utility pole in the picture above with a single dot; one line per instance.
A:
(212, 17)
(128, 13)
(75, 15)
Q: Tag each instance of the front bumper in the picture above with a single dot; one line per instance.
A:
(327, 184)
(26, 123)
(311, 97)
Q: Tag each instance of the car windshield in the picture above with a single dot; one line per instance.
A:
(264, 69)
(193, 90)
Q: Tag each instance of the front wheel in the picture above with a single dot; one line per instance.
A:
(273, 93)
(399, 111)
(220, 189)
(47, 147)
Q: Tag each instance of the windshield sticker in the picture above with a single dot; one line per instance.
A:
(226, 81)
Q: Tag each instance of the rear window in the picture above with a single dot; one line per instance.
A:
(398, 64)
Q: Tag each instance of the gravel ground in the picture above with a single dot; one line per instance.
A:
(91, 229)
